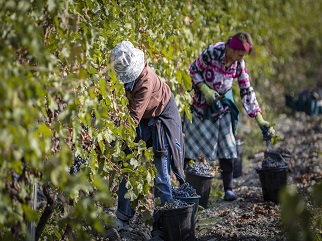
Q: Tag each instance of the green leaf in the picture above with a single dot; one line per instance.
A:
(45, 130)
(100, 183)
(109, 137)
(130, 195)
(127, 170)
(134, 163)
(51, 5)
(57, 235)
(31, 215)
(53, 105)
(82, 74)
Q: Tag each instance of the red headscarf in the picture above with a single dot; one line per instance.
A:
(237, 44)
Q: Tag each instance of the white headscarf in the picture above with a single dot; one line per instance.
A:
(127, 61)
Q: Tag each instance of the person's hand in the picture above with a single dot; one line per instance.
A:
(264, 125)
(209, 94)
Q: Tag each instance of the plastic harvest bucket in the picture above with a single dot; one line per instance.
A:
(191, 200)
(272, 180)
(202, 184)
(177, 224)
(238, 162)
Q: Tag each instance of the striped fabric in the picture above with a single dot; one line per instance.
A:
(208, 138)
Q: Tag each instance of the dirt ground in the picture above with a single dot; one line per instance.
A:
(250, 217)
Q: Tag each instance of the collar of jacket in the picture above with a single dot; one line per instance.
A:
(130, 85)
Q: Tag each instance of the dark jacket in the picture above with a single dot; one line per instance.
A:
(170, 123)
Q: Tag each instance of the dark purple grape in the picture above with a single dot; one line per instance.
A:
(75, 167)
(199, 168)
(173, 204)
(185, 190)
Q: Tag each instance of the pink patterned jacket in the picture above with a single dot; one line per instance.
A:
(210, 68)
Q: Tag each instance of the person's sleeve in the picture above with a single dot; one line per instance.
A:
(200, 64)
(140, 101)
(247, 92)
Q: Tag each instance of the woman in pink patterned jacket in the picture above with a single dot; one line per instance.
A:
(214, 114)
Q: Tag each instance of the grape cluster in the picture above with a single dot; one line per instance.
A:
(199, 168)
(75, 167)
(275, 159)
(173, 204)
(278, 151)
(15, 176)
(272, 163)
(185, 190)
(84, 128)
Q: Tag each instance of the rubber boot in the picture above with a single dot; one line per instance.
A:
(227, 167)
